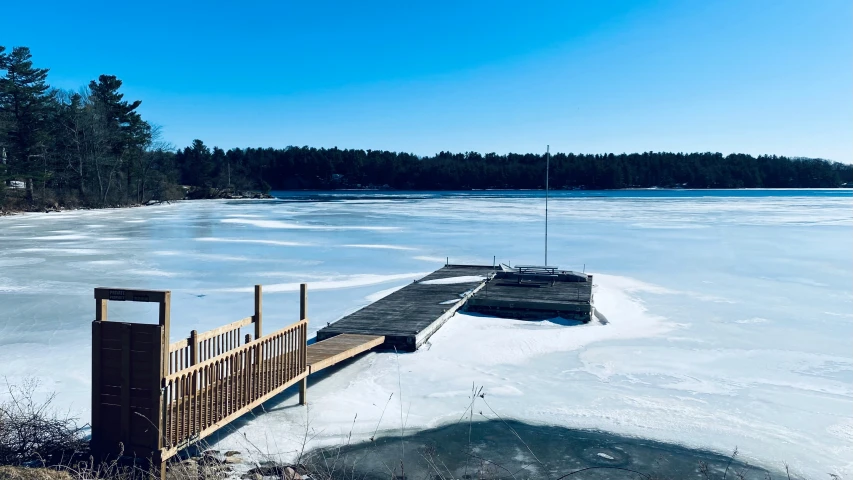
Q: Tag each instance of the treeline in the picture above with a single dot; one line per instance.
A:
(86, 147)
(312, 168)
(91, 147)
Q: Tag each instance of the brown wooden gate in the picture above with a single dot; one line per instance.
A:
(127, 371)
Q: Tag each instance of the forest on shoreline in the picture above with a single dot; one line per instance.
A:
(92, 148)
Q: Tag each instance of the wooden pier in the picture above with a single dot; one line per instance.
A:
(409, 316)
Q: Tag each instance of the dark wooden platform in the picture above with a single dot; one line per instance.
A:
(564, 296)
(409, 316)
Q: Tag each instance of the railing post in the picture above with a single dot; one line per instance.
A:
(259, 351)
(193, 347)
(258, 311)
(303, 301)
(303, 342)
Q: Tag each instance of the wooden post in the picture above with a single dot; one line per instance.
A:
(101, 310)
(165, 320)
(303, 301)
(193, 347)
(100, 316)
(161, 463)
(303, 314)
(259, 319)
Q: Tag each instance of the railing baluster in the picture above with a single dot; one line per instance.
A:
(180, 406)
(276, 361)
(231, 384)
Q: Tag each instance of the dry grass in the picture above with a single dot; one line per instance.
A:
(8, 472)
(32, 430)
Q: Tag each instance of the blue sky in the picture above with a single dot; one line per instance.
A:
(596, 76)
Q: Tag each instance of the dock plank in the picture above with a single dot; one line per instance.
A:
(339, 348)
(406, 316)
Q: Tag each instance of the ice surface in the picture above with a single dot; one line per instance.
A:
(728, 314)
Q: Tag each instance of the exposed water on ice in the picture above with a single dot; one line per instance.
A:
(729, 313)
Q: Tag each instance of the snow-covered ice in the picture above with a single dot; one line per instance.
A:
(728, 314)
(454, 280)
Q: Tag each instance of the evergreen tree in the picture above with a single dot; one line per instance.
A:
(122, 130)
(25, 102)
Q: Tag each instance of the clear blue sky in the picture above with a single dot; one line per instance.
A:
(593, 76)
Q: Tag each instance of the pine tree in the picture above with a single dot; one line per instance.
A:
(124, 132)
(25, 100)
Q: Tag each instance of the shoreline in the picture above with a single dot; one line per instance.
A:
(55, 208)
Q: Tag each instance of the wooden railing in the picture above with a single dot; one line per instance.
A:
(199, 347)
(205, 396)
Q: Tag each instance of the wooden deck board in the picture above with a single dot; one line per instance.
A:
(565, 298)
(339, 348)
(406, 316)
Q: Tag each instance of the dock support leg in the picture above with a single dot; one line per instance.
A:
(303, 391)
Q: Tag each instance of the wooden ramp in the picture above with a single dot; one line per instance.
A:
(339, 348)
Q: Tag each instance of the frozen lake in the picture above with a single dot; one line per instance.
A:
(730, 313)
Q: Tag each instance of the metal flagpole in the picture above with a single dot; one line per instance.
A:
(547, 168)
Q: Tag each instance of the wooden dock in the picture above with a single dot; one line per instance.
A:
(409, 316)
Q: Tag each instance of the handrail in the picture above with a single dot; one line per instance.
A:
(193, 368)
(203, 397)
(212, 333)
(225, 328)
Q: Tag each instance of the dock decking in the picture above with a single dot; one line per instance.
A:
(564, 296)
(339, 348)
(409, 316)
